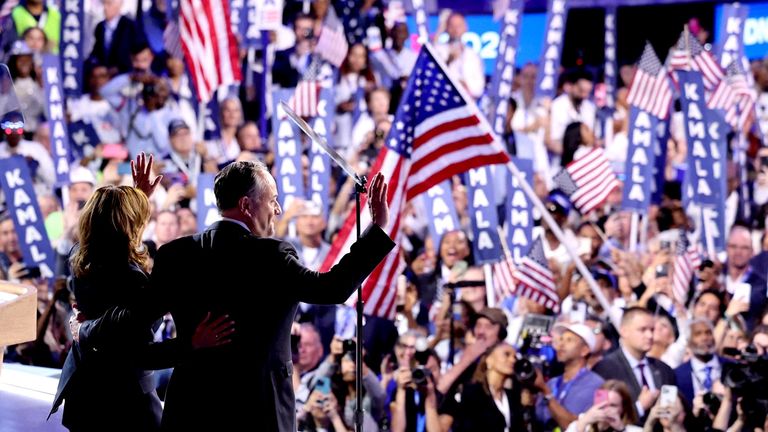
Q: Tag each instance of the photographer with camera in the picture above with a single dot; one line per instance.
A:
(416, 400)
(290, 64)
(340, 367)
(566, 396)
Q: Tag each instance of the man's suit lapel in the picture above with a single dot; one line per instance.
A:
(656, 372)
(632, 380)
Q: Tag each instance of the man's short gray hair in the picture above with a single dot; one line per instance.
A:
(240, 179)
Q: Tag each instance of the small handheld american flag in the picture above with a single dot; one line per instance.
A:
(686, 260)
(305, 99)
(588, 180)
(534, 278)
(650, 89)
(689, 54)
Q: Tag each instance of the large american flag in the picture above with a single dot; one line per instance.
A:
(689, 54)
(734, 95)
(650, 89)
(307, 95)
(535, 279)
(436, 134)
(332, 43)
(686, 260)
(588, 180)
(209, 46)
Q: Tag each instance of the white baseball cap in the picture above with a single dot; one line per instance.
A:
(581, 330)
(81, 174)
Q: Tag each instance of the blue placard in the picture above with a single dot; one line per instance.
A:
(504, 73)
(319, 161)
(83, 139)
(71, 48)
(237, 18)
(641, 157)
(54, 99)
(288, 151)
(28, 221)
(609, 71)
(207, 212)
(549, 60)
(519, 212)
(250, 31)
(660, 157)
(483, 215)
(211, 119)
(754, 28)
(704, 135)
(730, 34)
(441, 211)
(483, 36)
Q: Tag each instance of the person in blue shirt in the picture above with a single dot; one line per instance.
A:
(564, 397)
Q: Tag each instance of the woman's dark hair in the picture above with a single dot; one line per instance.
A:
(571, 142)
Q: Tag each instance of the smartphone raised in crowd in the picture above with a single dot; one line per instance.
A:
(601, 395)
(323, 385)
(668, 395)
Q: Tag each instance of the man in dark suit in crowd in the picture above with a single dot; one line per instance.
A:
(291, 64)
(644, 375)
(232, 269)
(699, 374)
(114, 38)
(739, 270)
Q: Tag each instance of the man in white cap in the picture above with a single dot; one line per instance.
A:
(62, 225)
(564, 397)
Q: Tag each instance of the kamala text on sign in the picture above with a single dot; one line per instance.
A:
(640, 160)
(483, 215)
(55, 100)
(319, 161)
(27, 218)
(290, 182)
(72, 47)
(753, 24)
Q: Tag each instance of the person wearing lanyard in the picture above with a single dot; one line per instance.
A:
(564, 397)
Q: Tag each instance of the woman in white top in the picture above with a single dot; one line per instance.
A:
(615, 412)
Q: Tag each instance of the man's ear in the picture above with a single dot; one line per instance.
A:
(242, 205)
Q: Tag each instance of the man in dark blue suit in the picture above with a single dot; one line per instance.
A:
(643, 375)
(290, 64)
(114, 38)
(699, 374)
(738, 270)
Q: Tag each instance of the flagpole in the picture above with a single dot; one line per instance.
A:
(644, 231)
(489, 292)
(633, 227)
(528, 190)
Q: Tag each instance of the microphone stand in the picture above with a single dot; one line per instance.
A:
(359, 189)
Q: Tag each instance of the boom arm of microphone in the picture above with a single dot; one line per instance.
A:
(359, 181)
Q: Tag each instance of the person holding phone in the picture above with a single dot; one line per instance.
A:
(612, 410)
(322, 410)
(668, 412)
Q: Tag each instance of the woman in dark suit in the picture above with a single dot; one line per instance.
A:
(112, 388)
(501, 407)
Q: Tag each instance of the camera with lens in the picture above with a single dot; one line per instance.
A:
(308, 33)
(419, 375)
(348, 346)
(747, 377)
(535, 350)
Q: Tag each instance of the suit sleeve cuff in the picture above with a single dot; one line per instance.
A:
(640, 410)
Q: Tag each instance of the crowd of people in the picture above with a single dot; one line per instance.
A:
(448, 361)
